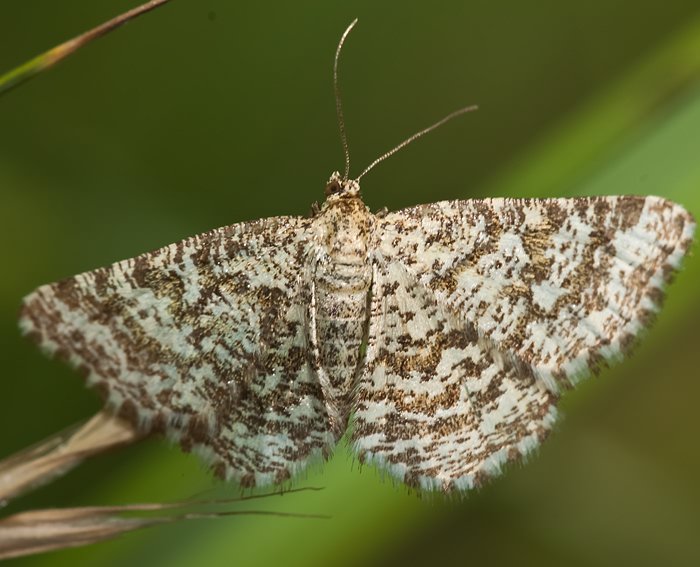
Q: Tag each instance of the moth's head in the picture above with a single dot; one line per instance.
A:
(339, 188)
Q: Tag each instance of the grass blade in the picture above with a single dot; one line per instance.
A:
(49, 58)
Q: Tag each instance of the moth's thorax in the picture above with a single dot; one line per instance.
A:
(345, 228)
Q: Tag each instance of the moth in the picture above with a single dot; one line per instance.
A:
(443, 333)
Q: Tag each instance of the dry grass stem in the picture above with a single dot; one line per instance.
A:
(39, 531)
(58, 454)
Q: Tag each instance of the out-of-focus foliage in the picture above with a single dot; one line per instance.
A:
(211, 113)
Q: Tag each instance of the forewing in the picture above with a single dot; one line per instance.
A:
(559, 285)
(436, 405)
(205, 340)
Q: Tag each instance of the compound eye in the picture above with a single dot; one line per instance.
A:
(333, 188)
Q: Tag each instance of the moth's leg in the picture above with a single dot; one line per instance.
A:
(381, 213)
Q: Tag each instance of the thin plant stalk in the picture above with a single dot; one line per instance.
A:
(49, 58)
(39, 531)
(60, 453)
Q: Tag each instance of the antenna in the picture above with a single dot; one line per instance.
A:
(338, 102)
(417, 135)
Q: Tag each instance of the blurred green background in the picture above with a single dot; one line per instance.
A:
(206, 113)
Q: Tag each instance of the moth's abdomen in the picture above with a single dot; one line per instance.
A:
(344, 278)
(340, 318)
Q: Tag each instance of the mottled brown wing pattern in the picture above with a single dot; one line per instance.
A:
(558, 285)
(244, 344)
(436, 405)
(205, 340)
